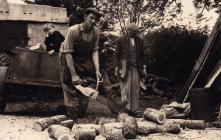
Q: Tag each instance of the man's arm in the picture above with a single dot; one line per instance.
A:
(117, 57)
(95, 57)
(142, 58)
(68, 49)
(70, 64)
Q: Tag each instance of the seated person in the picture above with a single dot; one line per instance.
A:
(53, 39)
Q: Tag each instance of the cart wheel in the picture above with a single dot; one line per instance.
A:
(3, 71)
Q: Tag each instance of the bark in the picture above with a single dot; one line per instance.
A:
(85, 131)
(145, 128)
(67, 123)
(129, 125)
(155, 115)
(191, 124)
(112, 131)
(102, 120)
(43, 123)
(59, 132)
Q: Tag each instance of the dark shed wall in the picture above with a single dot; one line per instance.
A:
(13, 34)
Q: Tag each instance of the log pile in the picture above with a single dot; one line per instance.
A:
(124, 127)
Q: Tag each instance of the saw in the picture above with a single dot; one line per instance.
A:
(93, 93)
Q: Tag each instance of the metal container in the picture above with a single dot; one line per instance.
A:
(202, 106)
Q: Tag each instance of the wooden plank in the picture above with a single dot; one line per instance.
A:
(201, 61)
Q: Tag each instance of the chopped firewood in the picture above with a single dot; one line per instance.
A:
(85, 131)
(99, 137)
(67, 123)
(129, 125)
(191, 124)
(112, 131)
(43, 123)
(145, 128)
(155, 115)
(102, 120)
(216, 124)
(59, 132)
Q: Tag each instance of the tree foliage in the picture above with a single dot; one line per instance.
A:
(172, 52)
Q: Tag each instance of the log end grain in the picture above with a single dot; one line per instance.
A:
(37, 127)
(155, 115)
(99, 137)
(112, 131)
(85, 131)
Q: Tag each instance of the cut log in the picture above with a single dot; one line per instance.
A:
(100, 138)
(145, 128)
(43, 123)
(129, 125)
(216, 124)
(112, 131)
(67, 123)
(102, 120)
(85, 131)
(59, 132)
(155, 115)
(191, 124)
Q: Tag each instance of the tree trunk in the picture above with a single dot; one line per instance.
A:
(129, 125)
(67, 123)
(155, 115)
(112, 131)
(145, 128)
(85, 131)
(191, 124)
(43, 123)
(59, 132)
(102, 120)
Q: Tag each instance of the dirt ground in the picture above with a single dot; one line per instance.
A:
(23, 109)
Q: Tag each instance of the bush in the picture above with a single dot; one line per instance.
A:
(172, 52)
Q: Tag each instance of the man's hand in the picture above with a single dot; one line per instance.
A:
(51, 52)
(76, 80)
(116, 71)
(98, 74)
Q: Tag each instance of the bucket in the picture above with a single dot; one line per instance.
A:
(202, 105)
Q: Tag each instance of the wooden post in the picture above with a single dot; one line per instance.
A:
(43, 123)
(155, 115)
(85, 131)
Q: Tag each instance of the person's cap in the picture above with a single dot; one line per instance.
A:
(132, 27)
(92, 10)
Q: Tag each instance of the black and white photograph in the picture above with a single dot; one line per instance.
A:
(110, 70)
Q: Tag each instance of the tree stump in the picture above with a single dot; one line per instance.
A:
(191, 124)
(43, 123)
(102, 120)
(59, 132)
(145, 128)
(129, 125)
(85, 131)
(155, 115)
(112, 131)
